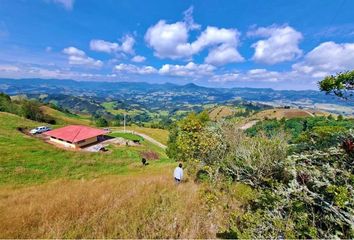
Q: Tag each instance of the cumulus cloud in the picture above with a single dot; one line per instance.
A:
(126, 46)
(138, 59)
(327, 58)
(67, 4)
(9, 68)
(130, 68)
(254, 75)
(79, 57)
(103, 46)
(222, 55)
(281, 44)
(226, 77)
(189, 70)
(171, 41)
(35, 71)
(168, 40)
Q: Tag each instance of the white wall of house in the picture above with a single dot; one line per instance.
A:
(86, 142)
(74, 145)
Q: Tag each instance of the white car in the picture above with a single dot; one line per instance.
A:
(39, 130)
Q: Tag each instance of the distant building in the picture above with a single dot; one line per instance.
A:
(75, 136)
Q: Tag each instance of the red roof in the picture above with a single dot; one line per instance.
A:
(75, 133)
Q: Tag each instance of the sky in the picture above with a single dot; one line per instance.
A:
(237, 43)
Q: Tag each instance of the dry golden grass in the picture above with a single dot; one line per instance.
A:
(220, 112)
(279, 113)
(150, 206)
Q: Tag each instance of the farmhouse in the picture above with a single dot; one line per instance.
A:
(75, 136)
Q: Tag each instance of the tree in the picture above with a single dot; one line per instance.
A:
(341, 85)
(101, 122)
(5, 102)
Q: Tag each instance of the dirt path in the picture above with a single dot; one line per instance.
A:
(249, 125)
(146, 137)
(311, 114)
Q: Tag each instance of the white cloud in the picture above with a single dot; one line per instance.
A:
(130, 68)
(226, 77)
(189, 70)
(9, 68)
(222, 55)
(327, 58)
(282, 44)
(79, 57)
(138, 59)
(254, 75)
(171, 41)
(103, 46)
(126, 46)
(67, 4)
(73, 51)
(188, 19)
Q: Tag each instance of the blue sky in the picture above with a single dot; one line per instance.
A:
(278, 44)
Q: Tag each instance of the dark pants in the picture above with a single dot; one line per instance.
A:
(177, 180)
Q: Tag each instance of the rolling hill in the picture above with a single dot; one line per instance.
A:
(220, 112)
(66, 118)
(47, 192)
(280, 113)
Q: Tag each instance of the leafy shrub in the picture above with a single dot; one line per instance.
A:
(307, 193)
(25, 108)
(316, 201)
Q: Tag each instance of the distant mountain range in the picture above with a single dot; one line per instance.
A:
(171, 94)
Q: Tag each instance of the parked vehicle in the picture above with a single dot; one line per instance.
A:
(40, 129)
(107, 129)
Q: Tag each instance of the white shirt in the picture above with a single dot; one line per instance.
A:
(178, 173)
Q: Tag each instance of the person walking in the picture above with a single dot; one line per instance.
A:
(178, 173)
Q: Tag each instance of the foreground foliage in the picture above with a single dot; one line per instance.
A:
(305, 191)
(341, 85)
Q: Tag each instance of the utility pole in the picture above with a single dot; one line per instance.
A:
(124, 122)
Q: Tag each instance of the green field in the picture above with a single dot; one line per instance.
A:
(27, 160)
(47, 192)
(159, 135)
(66, 118)
(128, 136)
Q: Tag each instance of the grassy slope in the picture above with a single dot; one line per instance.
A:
(159, 135)
(136, 206)
(220, 112)
(46, 192)
(25, 159)
(65, 118)
(109, 106)
(287, 113)
(128, 136)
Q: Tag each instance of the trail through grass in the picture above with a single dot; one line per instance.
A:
(159, 135)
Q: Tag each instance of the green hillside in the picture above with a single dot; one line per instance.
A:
(25, 159)
(47, 192)
(62, 118)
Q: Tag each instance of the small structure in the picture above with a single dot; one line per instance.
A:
(75, 136)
